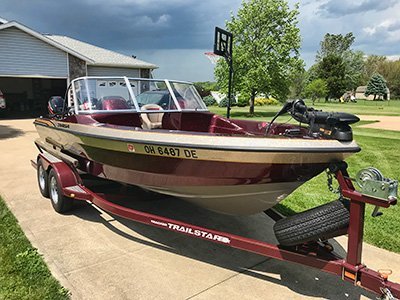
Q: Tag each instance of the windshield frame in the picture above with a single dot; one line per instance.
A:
(72, 98)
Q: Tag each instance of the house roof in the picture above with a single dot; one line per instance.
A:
(100, 56)
(3, 21)
(363, 88)
(93, 55)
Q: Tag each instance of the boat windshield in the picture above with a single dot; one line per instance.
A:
(122, 94)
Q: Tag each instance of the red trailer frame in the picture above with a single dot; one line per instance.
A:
(313, 255)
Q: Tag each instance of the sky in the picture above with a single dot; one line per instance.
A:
(174, 34)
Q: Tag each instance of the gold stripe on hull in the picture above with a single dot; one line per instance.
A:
(81, 141)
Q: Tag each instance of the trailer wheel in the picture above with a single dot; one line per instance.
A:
(319, 223)
(60, 203)
(43, 180)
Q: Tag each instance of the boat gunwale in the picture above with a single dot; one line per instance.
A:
(330, 149)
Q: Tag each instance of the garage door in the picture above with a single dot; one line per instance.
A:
(106, 71)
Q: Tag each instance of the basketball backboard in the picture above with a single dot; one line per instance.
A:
(223, 43)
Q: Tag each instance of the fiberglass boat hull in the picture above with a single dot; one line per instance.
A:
(233, 175)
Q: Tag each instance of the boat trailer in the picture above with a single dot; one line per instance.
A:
(68, 185)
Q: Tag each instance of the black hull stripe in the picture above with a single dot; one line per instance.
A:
(220, 148)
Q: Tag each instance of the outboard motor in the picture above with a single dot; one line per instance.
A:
(55, 105)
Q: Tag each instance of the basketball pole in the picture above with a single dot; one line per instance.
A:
(223, 47)
(228, 108)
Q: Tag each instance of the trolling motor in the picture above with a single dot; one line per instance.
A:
(333, 125)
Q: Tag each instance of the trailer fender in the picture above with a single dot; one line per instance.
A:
(65, 174)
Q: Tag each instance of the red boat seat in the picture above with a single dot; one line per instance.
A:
(112, 103)
(187, 121)
(126, 119)
(219, 124)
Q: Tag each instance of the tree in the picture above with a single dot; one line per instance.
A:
(316, 89)
(298, 82)
(372, 65)
(205, 88)
(331, 69)
(265, 51)
(335, 44)
(354, 63)
(338, 47)
(389, 69)
(376, 86)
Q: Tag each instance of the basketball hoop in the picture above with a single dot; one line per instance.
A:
(223, 48)
(212, 57)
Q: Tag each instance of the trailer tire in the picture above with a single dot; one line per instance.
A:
(59, 201)
(319, 223)
(43, 179)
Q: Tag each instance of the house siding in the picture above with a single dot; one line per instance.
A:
(24, 55)
(110, 71)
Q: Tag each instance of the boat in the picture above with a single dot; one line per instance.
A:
(160, 136)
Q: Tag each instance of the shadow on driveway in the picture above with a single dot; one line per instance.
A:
(300, 279)
(8, 132)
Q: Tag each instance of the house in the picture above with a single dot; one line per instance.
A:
(35, 66)
(360, 94)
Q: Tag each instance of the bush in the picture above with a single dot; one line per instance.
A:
(224, 102)
(243, 101)
(205, 88)
(265, 101)
(209, 100)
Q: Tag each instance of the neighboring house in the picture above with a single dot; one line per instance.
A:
(35, 66)
(220, 96)
(360, 94)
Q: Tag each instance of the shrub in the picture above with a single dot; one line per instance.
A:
(224, 102)
(205, 88)
(265, 101)
(243, 101)
(209, 100)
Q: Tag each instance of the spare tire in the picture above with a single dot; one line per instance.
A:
(319, 223)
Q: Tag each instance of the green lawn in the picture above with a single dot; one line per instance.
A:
(23, 273)
(380, 149)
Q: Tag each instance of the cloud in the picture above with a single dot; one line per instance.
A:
(338, 8)
(387, 33)
(125, 24)
(387, 26)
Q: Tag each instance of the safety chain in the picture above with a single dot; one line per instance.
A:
(330, 184)
(387, 294)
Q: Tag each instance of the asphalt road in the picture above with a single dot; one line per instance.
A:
(98, 256)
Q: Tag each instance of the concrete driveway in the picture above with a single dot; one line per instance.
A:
(98, 256)
(384, 122)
